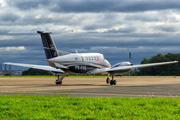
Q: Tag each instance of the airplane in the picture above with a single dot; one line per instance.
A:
(61, 62)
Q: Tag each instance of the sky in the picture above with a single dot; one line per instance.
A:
(111, 27)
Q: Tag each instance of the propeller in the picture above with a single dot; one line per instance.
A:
(129, 59)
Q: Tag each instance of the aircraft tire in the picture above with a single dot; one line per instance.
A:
(107, 80)
(59, 83)
(111, 82)
(114, 82)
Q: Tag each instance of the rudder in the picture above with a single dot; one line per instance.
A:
(48, 44)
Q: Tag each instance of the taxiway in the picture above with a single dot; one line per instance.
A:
(96, 87)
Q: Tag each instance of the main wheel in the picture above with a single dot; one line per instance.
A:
(114, 82)
(111, 82)
(107, 80)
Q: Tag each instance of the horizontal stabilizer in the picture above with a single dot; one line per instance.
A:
(59, 65)
(41, 67)
(61, 31)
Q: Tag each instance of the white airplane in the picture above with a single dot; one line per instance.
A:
(77, 63)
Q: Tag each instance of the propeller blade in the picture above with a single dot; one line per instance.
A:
(129, 59)
(129, 56)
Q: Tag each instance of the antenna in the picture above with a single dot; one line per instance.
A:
(76, 51)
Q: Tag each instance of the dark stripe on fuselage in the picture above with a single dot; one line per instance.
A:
(67, 63)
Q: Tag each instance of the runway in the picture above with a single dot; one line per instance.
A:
(95, 87)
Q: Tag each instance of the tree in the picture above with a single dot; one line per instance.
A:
(32, 71)
(171, 69)
(7, 74)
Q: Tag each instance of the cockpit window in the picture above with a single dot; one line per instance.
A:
(76, 58)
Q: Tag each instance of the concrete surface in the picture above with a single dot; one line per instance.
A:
(96, 87)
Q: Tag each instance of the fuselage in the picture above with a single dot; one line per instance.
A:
(80, 62)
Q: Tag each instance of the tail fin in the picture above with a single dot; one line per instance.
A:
(48, 44)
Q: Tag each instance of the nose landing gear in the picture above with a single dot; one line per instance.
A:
(59, 80)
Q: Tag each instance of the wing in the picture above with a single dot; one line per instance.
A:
(41, 67)
(126, 68)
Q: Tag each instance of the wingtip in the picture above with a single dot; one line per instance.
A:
(6, 62)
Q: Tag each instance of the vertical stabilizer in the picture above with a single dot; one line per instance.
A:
(48, 44)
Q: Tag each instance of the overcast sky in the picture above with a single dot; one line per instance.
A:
(111, 27)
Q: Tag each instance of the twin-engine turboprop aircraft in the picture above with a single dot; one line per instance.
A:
(77, 63)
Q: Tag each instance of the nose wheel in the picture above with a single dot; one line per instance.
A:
(59, 80)
(59, 83)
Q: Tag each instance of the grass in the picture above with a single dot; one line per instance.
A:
(61, 107)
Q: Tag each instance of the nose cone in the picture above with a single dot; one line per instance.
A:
(107, 63)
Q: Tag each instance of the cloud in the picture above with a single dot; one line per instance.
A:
(167, 28)
(9, 17)
(144, 17)
(28, 4)
(12, 48)
(113, 6)
(81, 6)
(2, 3)
(122, 30)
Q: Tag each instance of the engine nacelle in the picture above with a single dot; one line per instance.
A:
(122, 64)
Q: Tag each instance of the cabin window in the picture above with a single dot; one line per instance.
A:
(97, 58)
(87, 58)
(94, 58)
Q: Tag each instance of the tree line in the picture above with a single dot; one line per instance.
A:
(164, 70)
(32, 71)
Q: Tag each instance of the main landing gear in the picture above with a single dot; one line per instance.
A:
(112, 82)
(59, 80)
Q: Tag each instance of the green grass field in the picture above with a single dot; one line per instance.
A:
(62, 107)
